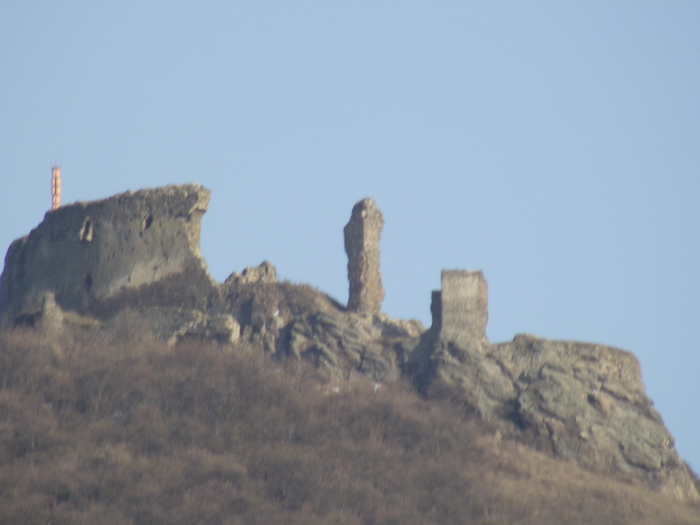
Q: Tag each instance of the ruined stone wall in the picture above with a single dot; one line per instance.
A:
(362, 235)
(133, 262)
(88, 253)
(460, 308)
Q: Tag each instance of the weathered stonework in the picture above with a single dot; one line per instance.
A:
(130, 266)
(362, 235)
(88, 254)
(460, 308)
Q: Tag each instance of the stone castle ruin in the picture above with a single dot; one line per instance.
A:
(460, 308)
(93, 256)
(89, 268)
(362, 235)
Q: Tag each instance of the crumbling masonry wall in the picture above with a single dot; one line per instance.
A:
(134, 260)
(362, 235)
(460, 308)
(87, 254)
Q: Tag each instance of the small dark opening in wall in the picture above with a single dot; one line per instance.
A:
(147, 222)
(88, 282)
(86, 231)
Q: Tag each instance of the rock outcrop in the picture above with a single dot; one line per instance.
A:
(132, 262)
(264, 273)
(588, 403)
(577, 401)
(362, 235)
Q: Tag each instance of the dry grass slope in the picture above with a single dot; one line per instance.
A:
(144, 434)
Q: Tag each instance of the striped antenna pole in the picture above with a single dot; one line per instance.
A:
(55, 187)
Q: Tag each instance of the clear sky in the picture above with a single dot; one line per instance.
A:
(555, 146)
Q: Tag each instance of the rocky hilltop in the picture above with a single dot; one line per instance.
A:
(88, 266)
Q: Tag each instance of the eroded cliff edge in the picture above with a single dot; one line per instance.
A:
(135, 257)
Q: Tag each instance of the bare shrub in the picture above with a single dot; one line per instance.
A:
(199, 433)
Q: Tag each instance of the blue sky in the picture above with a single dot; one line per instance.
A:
(555, 146)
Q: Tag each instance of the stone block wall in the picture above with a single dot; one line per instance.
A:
(87, 253)
(460, 308)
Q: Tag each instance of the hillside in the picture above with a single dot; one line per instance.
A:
(136, 388)
(141, 432)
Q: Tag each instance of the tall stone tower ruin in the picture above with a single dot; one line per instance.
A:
(362, 234)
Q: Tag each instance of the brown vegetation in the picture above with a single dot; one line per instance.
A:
(141, 433)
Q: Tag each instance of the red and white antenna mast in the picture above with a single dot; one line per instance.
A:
(55, 187)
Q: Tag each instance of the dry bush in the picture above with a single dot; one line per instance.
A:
(198, 433)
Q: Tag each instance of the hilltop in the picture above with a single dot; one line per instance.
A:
(107, 306)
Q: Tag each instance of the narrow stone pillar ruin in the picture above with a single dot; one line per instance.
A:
(460, 308)
(362, 234)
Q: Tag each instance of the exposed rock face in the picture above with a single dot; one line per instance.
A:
(264, 273)
(362, 235)
(581, 402)
(398, 328)
(588, 402)
(132, 262)
(299, 322)
(101, 256)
